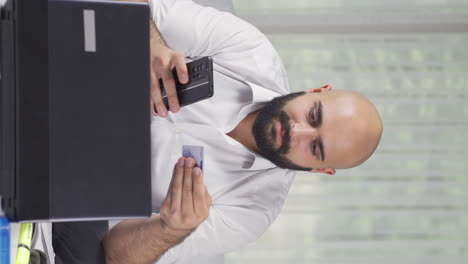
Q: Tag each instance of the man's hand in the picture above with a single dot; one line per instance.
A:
(163, 60)
(144, 240)
(187, 202)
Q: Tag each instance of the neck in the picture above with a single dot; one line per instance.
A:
(242, 133)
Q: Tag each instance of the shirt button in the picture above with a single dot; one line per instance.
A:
(178, 130)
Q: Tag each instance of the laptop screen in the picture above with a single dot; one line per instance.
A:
(75, 110)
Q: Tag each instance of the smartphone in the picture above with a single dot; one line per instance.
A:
(199, 86)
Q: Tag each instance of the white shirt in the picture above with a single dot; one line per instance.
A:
(248, 191)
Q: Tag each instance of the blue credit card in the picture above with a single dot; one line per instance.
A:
(195, 152)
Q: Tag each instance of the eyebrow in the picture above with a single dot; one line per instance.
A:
(322, 153)
(319, 114)
(319, 123)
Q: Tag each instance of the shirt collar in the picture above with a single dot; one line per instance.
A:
(254, 161)
(260, 96)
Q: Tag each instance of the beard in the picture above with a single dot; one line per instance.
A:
(265, 133)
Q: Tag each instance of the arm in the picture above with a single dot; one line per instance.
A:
(182, 28)
(162, 61)
(239, 215)
(140, 241)
(186, 206)
(239, 50)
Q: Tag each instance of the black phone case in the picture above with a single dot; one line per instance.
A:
(199, 86)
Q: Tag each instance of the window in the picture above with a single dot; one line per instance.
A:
(409, 202)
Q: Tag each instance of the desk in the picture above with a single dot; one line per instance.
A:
(14, 239)
(85, 244)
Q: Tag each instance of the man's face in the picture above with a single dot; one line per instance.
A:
(316, 130)
(270, 142)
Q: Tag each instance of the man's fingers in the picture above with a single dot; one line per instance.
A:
(152, 108)
(171, 92)
(181, 68)
(187, 202)
(199, 193)
(187, 189)
(179, 163)
(156, 95)
(176, 188)
(169, 189)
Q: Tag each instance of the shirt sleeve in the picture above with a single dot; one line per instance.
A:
(239, 50)
(237, 218)
(194, 30)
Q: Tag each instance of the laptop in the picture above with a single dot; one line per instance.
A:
(74, 110)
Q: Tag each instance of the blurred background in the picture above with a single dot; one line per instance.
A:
(409, 202)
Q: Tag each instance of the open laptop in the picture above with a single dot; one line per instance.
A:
(75, 114)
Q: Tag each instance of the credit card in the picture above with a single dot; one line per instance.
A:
(195, 152)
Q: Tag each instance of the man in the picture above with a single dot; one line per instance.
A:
(254, 133)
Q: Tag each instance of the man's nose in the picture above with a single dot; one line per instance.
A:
(298, 132)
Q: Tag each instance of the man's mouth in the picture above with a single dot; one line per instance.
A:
(279, 134)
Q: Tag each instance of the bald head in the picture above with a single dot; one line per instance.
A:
(319, 130)
(361, 127)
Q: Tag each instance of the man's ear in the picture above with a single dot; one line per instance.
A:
(319, 90)
(328, 171)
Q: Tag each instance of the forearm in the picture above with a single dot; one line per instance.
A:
(155, 36)
(140, 241)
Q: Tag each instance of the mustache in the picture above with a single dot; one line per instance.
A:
(286, 125)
